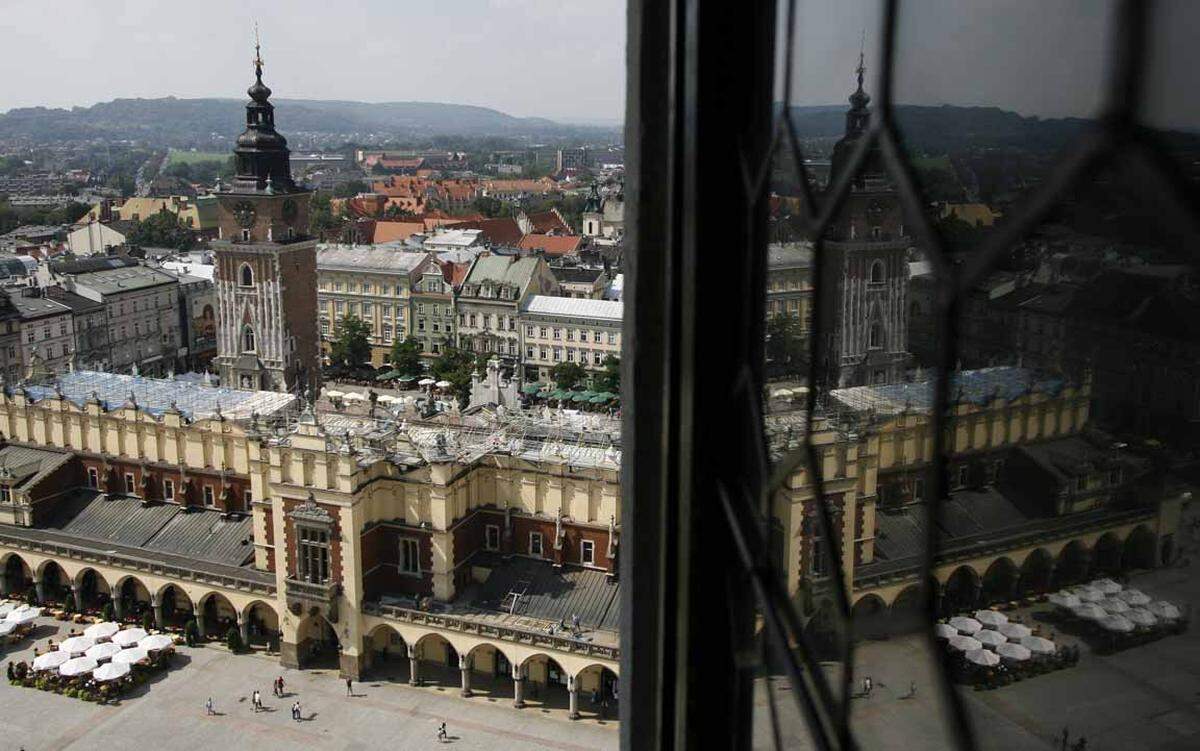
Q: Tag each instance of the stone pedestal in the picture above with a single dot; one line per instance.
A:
(289, 654)
(244, 629)
(40, 588)
(518, 690)
(573, 695)
(414, 678)
(465, 670)
(159, 621)
(77, 594)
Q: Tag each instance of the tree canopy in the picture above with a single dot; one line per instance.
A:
(786, 346)
(162, 230)
(351, 345)
(609, 379)
(406, 356)
(567, 375)
(456, 366)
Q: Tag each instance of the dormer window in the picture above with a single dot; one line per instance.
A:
(246, 275)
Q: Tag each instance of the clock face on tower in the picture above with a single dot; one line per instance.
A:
(289, 209)
(243, 211)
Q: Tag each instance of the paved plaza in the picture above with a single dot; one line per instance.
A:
(1145, 697)
(169, 713)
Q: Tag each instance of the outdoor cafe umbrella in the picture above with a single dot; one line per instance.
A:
(1106, 585)
(333, 394)
(78, 666)
(1015, 631)
(1064, 599)
(155, 642)
(103, 651)
(354, 396)
(426, 382)
(944, 631)
(50, 660)
(111, 672)
(1118, 623)
(1014, 652)
(1038, 645)
(131, 656)
(1164, 610)
(965, 625)
(1088, 594)
(406, 378)
(443, 384)
(983, 657)
(989, 638)
(389, 375)
(1114, 605)
(129, 637)
(990, 618)
(531, 388)
(77, 645)
(580, 396)
(7, 607)
(102, 630)
(964, 643)
(1141, 617)
(7, 627)
(24, 614)
(1090, 611)
(1134, 597)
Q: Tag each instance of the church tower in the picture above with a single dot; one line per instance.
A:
(866, 268)
(266, 266)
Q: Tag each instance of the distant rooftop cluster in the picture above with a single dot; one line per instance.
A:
(974, 386)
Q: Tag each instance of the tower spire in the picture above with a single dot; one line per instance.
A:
(258, 61)
(862, 68)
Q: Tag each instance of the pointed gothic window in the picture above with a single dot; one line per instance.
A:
(247, 339)
(247, 276)
(875, 336)
(877, 272)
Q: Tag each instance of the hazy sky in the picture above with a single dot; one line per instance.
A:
(563, 59)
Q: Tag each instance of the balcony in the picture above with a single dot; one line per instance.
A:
(305, 597)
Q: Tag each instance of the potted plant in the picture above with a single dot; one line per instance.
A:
(233, 638)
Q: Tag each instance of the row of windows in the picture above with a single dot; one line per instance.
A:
(485, 320)
(31, 332)
(168, 488)
(491, 541)
(571, 334)
(367, 309)
(556, 354)
(366, 288)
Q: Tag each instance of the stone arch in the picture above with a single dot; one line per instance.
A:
(868, 617)
(437, 660)
(999, 582)
(962, 590)
(131, 596)
(261, 624)
(215, 615)
(245, 276)
(1106, 555)
(92, 588)
(908, 609)
(1140, 549)
(1072, 564)
(598, 691)
(1036, 572)
(491, 670)
(18, 574)
(388, 652)
(546, 682)
(55, 583)
(176, 606)
(317, 643)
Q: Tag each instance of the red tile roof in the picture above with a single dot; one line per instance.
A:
(552, 245)
(390, 231)
(502, 231)
(549, 222)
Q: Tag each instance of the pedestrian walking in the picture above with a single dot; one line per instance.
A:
(867, 686)
(441, 734)
(281, 685)
(296, 711)
(349, 687)
(912, 689)
(255, 701)
(208, 706)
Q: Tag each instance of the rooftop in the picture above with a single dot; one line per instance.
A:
(780, 255)
(21, 466)
(157, 395)
(547, 593)
(975, 386)
(604, 310)
(364, 258)
(125, 279)
(36, 307)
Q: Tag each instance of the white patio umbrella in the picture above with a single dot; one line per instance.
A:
(965, 625)
(130, 656)
(1064, 599)
(77, 666)
(1014, 652)
(388, 399)
(7, 627)
(354, 396)
(1134, 597)
(964, 643)
(334, 394)
(1114, 605)
(129, 637)
(103, 651)
(989, 638)
(442, 384)
(155, 642)
(1141, 617)
(111, 671)
(103, 630)
(77, 645)
(1038, 645)
(944, 630)
(1118, 623)
(983, 657)
(1015, 631)
(1164, 610)
(1088, 594)
(426, 382)
(22, 616)
(7, 607)
(1106, 585)
(990, 618)
(1090, 611)
(50, 660)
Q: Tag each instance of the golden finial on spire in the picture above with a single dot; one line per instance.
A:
(258, 62)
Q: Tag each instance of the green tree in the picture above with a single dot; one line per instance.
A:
(233, 640)
(609, 379)
(322, 223)
(786, 350)
(351, 345)
(351, 189)
(456, 366)
(406, 356)
(567, 375)
(163, 230)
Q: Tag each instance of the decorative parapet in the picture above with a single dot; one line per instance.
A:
(490, 630)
